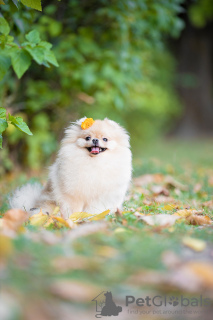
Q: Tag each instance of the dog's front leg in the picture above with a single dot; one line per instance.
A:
(67, 208)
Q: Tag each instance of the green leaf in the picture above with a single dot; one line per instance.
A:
(33, 37)
(5, 63)
(9, 38)
(4, 26)
(0, 141)
(45, 45)
(19, 123)
(2, 2)
(3, 125)
(15, 2)
(20, 61)
(34, 4)
(2, 113)
(36, 53)
(50, 57)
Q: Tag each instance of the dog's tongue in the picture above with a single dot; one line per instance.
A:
(95, 150)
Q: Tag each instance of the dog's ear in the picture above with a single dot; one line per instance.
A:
(79, 122)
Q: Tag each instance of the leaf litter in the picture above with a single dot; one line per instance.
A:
(89, 244)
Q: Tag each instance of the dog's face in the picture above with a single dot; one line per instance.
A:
(102, 137)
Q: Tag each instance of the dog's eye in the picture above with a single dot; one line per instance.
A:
(88, 138)
(105, 139)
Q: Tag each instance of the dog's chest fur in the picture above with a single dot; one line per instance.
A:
(92, 178)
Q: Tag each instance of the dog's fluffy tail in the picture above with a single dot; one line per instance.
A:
(26, 197)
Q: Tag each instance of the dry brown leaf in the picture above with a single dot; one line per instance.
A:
(73, 290)
(35, 308)
(157, 190)
(183, 213)
(160, 219)
(178, 192)
(208, 204)
(146, 179)
(138, 214)
(192, 276)
(188, 212)
(86, 98)
(204, 272)
(171, 182)
(194, 244)
(210, 181)
(164, 199)
(119, 213)
(197, 187)
(178, 278)
(170, 259)
(16, 215)
(198, 220)
(147, 202)
(141, 190)
(13, 220)
(144, 277)
(193, 216)
(64, 264)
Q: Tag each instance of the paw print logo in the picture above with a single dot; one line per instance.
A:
(173, 301)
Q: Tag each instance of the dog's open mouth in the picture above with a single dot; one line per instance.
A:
(96, 150)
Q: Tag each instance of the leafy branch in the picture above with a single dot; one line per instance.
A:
(20, 57)
(15, 121)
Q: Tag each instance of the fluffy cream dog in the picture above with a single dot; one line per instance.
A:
(92, 171)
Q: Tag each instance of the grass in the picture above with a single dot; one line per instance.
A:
(111, 258)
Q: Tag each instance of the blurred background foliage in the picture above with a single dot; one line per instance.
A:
(114, 61)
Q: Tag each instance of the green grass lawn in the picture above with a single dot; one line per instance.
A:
(54, 274)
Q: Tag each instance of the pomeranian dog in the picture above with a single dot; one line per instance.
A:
(92, 172)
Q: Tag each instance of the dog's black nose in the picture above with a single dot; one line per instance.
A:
(95, 141)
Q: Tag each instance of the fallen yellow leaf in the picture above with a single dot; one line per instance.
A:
(169, 207)
(79, 216)
(55, 211)
(62, 221)
(100, 216)
(49, 222)
(184, 213)
(38, 219)
(6, 246)
(106, 251)
(119, 230)
(195, 244)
